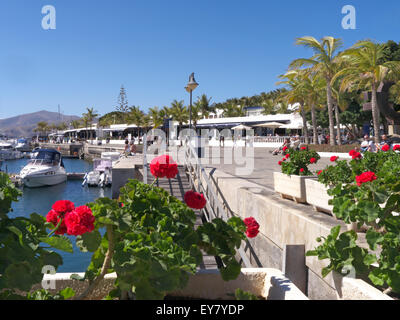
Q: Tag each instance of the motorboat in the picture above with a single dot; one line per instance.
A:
(8, 152)
(45, 168)
(101, 176)
(23, 145)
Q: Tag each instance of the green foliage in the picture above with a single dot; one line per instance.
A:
(244, 295)
(298, 160)
(334, 174)
(22, 257)
(156, 246)
(373, 203)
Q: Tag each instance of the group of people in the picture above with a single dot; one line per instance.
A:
(369, 145)
(130, 148)
(293, 142)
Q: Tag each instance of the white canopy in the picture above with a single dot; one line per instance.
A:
(269, 125)
(241, 127)
(294, 125)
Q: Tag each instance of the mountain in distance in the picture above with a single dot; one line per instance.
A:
(23, 125)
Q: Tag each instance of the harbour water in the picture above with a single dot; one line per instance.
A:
(40, 200)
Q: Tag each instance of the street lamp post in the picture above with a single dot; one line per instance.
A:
(192, 84)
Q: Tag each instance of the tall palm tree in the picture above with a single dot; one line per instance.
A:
(324, 62)
(179, 113)
(203, 105)
(296, 94)
(42, 127)
(136, 116)
(157, 116)
(76, 124)
(233, 110)
(90, 116)
(366, 69)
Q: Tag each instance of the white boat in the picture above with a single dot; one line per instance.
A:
(45, 168)
(101, 175)
(23, 145)
(8, 152)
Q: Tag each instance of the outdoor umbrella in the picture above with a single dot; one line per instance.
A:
(272, 125)
(241, 127)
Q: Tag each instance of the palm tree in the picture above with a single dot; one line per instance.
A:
(296, 94)
(233, 110)
(366, 69)
(136, 116)
(90, 116)
(179, 113)
(76, 124)
(42, 127)
(157, 116)
(323, 62)
(203, 105)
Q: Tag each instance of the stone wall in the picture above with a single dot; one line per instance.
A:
(284, 222)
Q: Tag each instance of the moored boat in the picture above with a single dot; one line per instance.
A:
(45, 168)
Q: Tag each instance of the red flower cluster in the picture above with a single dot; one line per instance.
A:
(75, 221)
(365, 177)
(302, 170)
(163, 166)
(396, 147)
(284, 148)
(195, 200)
(252, 227)
(303, 148)
(287, 156)
(319, 172)
(280, 163)
(385, 147)
(313, 160)
(334, 158)
(354, 154)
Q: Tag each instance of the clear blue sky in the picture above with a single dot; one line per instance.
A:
(236, 48)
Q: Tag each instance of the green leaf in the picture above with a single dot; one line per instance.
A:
(373, 238)
(89, 241)
(377, 277)
(67, 293)
(58, 242)
(231, 271)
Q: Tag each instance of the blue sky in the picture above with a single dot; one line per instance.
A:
(236, 48)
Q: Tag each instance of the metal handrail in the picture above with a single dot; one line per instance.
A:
(145, 164)
(214, 207)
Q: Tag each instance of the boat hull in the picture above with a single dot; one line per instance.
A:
(43, 181)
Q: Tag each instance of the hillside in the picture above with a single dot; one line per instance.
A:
(23, 125)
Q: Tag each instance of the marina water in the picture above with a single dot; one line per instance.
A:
(41, 199)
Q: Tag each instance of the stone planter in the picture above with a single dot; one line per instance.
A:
(291, 187)
(317, 196)
(267, 283)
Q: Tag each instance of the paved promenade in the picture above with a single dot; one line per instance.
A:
(264, 165)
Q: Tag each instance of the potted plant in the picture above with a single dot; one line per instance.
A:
(290, 183)
(317, 189)
(373, 199)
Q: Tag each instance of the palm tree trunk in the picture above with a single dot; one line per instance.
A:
(375, 113)
(305, 130)
(314, 124)
(339, 136)
(330, 112)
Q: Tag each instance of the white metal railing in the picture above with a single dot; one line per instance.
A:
(200, 182)
(145, 164)
(278, 139)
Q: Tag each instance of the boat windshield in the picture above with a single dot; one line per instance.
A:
(44, 156)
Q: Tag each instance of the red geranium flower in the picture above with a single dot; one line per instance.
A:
(280, 163)
(303, 148)
(288, 155)
(284, 148)
(283, 159)
(54, 217)
(385, 147)
(357, 155)
(195, 200)
(396, 147)
(313, 160)
(365, 177)
(352, 152)
(252, 227)
(163, 166)
(79, 221)
(63, 206)
(319, 172)
(302, 170)
(334, 158)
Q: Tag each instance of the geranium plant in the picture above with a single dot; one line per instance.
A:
(369, 194)
(296, 162)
